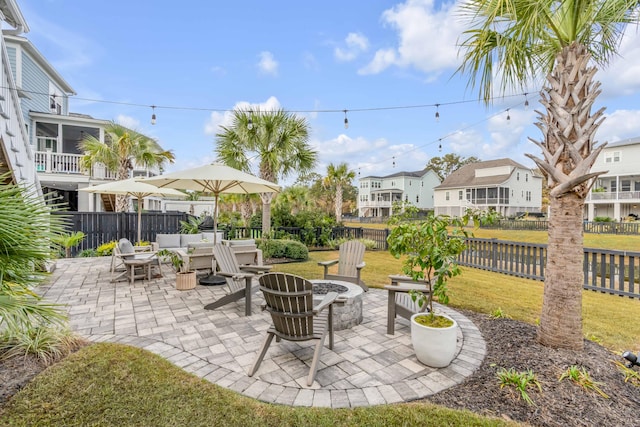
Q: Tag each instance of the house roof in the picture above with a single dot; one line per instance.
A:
(466, 175)
(42, 61)
(629, 141)
(13, 15)
(416, 174)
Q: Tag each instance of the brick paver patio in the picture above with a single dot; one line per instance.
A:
(366, 366)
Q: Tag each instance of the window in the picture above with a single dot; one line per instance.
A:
(446, 195)
(526, 177)
(612, 157)
(528, 196)
(417, 199)
(614, 185)
(406, 198)
(518, 176)
(625, 185)
(460, 195)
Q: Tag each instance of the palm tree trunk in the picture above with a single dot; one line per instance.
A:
(561, 316)
(266, 212)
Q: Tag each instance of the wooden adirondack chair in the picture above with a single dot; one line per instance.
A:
(400, 302)
(350, 262)
(238, 278)
(124, 250)
(289, 300)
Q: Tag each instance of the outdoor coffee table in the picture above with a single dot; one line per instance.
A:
(132, 264)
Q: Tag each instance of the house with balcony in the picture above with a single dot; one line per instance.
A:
(16, 154)
(377, 194)
(616, 193)
(53, 133)
(501, 185)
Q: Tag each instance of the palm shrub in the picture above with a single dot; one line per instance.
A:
(27, 235)
(68, 241)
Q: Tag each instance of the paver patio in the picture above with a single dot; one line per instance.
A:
(366, 366)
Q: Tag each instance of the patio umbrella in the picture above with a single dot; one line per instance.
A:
(215, 179)
(134, 188)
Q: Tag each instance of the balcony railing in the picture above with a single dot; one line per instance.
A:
(613, 195)
(68, 164)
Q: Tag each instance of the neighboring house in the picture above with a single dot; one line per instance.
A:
(16, 155)
(377, 194)
(54, 133)
(502, 185)
(616, 194)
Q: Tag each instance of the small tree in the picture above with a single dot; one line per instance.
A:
(431, 247)
(68, 241)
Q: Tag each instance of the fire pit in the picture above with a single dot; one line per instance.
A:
(347, 310)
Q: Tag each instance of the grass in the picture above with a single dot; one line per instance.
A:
(112, 384)
(520, 380)
(581, 377)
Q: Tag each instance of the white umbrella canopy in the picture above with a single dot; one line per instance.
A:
(135, 188)
(215, 179)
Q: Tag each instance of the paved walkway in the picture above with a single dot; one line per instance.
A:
(366, 366)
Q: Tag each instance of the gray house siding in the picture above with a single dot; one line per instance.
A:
(36, 83)
(11, 52)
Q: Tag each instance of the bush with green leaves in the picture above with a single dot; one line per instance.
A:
(191, 226)
(28, 233)
(106, 249)
(522, 381)
(69, 241)
(368, 243)
(87, 253)
(283, 248)
(602, 219)
(48, 344)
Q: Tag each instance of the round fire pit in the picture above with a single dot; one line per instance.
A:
(347, 310)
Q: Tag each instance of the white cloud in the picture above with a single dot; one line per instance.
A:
(310, 62)
(268, 64)
(128, 121)
(621, 77)
(355, 44)
(619, 125)
(217, 119)
(427, 37)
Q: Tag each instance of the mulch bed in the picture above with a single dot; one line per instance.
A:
(510, 344)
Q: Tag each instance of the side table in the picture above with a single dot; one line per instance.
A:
(132, 264)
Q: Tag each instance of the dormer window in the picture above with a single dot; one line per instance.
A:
(54, 106)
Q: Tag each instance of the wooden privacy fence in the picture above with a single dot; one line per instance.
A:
(103, 227)
(613, 272)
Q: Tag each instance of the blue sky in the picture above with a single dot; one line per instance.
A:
(204, 58)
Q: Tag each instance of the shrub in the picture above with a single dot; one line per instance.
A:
(48, 344)
(296, 250)
(106, 249)
(520, 380)
(283, 248)
(602, 219)
(88, 253)
(368, 243)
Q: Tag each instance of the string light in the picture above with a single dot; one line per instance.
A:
(508, 117)
(440, 145)
(526, 101)
(437, 113)
(394, 161)
(346, 120)
(250, 121)
(153, 114)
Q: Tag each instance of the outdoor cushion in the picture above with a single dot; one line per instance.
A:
(208, 235)
(125, 246)
(185, 239)
(196, 245)
(168, 240)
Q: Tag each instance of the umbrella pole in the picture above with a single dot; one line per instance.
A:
(140, 201)
(215, 219)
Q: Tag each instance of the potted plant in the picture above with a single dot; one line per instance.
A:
(431, 247)
(185, 279)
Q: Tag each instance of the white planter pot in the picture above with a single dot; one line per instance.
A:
(434, 347)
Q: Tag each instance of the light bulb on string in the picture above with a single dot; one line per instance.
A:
(250, 121)
(526, 101)
(394, 161)
(440, 146)
(437, 113)
(508, 117)
(346, 120)
(153, 114)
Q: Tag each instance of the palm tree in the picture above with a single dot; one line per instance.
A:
(515, 42)
(121, 150)
(337, 178)
(295, 198)
(277, 138)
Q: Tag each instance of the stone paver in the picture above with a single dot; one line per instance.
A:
(366, 366)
